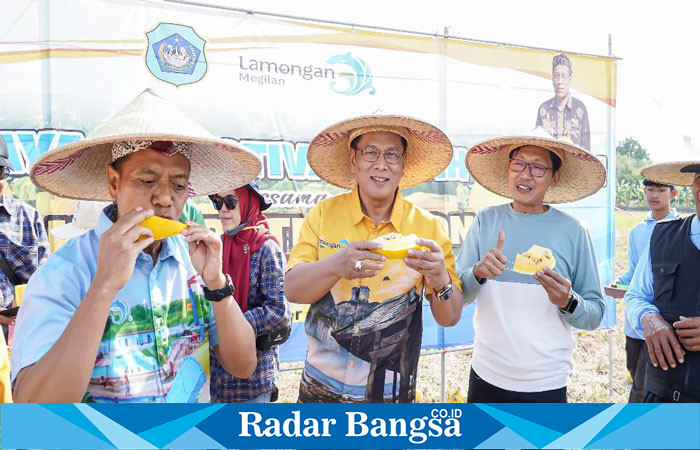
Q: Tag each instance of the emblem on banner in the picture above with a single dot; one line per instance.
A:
(176, 54)
(359, 79)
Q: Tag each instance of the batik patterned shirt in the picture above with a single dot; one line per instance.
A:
(570, 119)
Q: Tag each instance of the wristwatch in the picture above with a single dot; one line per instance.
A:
(219, 294)
(573, 303)
(445, 293)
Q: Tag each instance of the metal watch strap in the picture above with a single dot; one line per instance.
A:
(444, 293)
(219, 294)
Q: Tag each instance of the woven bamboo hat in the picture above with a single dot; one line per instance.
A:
(581, 173)
(680, 173)
(77, 170)
(428, 150)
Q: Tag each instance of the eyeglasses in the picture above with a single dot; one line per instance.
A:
(371, 154)
(536, 170)
(4, 172)
(231, 201)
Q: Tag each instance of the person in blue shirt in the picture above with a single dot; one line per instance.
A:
(663, 302)
(115, 315)
(658, 197)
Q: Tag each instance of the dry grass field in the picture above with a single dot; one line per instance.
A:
(590, 378)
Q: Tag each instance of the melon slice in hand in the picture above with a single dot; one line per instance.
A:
(396, 246)
(534, 260)
(162, 228)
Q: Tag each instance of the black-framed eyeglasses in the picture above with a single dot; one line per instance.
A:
(371, 154)
(4, 172)
(536, 170)
(231, 202)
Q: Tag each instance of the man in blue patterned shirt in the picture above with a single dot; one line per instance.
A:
(116, 315)
(24, 244)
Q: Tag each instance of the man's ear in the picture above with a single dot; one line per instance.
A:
(353, 160)
(555, 178)
(112, 182)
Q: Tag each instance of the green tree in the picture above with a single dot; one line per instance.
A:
(631, 157)
(632, 148)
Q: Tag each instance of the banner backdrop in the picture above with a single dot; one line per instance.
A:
(272, 84)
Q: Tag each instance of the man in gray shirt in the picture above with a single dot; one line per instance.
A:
(523, 348)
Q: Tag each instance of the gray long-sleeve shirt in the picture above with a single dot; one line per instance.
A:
(523, 341)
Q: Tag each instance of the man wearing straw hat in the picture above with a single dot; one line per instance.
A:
(114, 315)
(523, 347)
(663, 302)
(364, 324)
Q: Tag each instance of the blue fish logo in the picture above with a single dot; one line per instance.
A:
(176, 54)
(359, 79)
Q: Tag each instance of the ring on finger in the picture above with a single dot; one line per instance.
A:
(358, 265)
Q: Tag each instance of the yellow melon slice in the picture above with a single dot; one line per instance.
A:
(396, 246)
(163, 228)
(534, 260)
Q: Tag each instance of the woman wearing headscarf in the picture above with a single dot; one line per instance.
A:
(253, 259)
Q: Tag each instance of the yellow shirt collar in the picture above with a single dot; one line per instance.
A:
(396, 211)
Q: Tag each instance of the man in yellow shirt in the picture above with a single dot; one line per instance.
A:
(364, 324)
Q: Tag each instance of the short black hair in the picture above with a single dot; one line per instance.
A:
(354, 142)
(556, 160)
(646, 182)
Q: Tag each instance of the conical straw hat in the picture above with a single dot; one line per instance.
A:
(679, 173)
(581, 173)
(428, 150)
(77, 170)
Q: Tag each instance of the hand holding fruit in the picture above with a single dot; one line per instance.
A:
(429, 262)
(206, 254)
(119, 248)
(557, 287)
(357, 260)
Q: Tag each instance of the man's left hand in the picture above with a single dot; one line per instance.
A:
(205, 253)
(688, 331)
(556, 286)
(429, 263)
